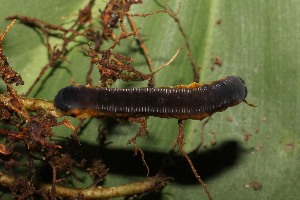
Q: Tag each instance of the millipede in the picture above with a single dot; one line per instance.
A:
(193, 101)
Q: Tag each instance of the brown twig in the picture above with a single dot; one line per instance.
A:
(141, 43)
(180, 140)
(142, 132)
(196, 69)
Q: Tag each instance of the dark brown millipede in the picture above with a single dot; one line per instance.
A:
(194, 101)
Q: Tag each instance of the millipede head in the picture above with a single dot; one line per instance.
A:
(246, 91)
(67, 98)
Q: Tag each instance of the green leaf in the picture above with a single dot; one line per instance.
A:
(256, 40)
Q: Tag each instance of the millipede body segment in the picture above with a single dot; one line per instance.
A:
(194, 101)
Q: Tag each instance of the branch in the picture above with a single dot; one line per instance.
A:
(139, 187)
(31, 104)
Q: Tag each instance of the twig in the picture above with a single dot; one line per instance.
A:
(40, 104)
(141, 43)
(131, 189)
(187, 44)
(180, 140)
(169, 62)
